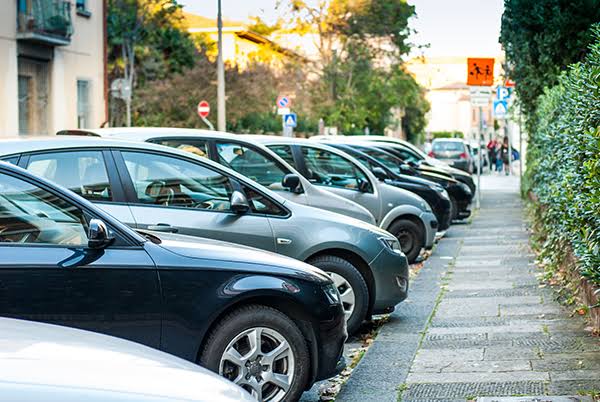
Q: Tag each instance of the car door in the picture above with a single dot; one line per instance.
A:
(89, 173)
(340, 176)
(256, 165)
(173, 194)
(48, 273)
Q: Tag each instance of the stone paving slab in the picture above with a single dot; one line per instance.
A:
(538, 398)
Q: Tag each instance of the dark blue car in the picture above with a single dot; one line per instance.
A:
(271, 324)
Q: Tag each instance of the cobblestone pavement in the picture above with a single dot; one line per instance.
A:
(477, 323)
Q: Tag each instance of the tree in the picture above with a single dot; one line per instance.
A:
(147, 40)
(541, 38)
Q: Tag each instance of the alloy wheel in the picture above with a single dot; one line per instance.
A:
(346, 293)
(261, 361)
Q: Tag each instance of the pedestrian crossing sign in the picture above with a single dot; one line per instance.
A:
(500, 109)
(290, 120)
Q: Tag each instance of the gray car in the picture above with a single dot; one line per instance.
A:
(454, 152)
(163, 189)
(42, 362)
(246, 157)
(403, 213)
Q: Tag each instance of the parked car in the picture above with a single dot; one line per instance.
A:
(435, 195)
(474, 150)
(246, 157)
(459, 193)
(454, 152)
(410, 154)
(404, 214)
(67, 262)
(42, 362)
(154, 187)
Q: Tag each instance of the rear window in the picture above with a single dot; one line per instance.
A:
(448, 146)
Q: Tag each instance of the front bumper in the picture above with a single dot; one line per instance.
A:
(331, 338)
(390, 271)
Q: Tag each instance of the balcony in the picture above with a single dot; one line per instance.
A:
(44, 21)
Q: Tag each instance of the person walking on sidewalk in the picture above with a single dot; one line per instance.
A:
(498, 156)
(491, 147)
(505, 156)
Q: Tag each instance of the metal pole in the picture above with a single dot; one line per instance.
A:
(478, 201)
(220, 75)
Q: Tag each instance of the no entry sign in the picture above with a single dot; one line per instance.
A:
(203, 109)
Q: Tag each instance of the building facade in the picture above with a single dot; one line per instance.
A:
(52, 74)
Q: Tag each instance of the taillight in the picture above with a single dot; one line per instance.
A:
(431, 154)
(463, 155)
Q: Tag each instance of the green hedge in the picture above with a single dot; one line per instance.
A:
(447, 134)
(563, 166)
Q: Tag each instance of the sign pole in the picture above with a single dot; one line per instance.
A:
(478, 202)
(520, 147)
(220, 74)
(208, 123)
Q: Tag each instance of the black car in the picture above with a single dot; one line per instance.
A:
(435, 195)
(459, 193)
(269, 323)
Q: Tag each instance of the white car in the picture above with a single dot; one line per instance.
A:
(42, 362)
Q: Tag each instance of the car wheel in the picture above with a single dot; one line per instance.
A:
(261, 350)
(453, 208)
(351, 285)
(410, 236)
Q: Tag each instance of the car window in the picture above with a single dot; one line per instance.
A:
(174, 182)
(197, 147)
(451, 146)
(251, 163)
(284, 152)
(31, 215)
(329, 169)
(386, 159)
(12, 159)
(261, 204)
(83, 172)
(405, 155)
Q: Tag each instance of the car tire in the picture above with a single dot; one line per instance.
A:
(453, 208)
(350, 284)
(410, 236)
(269, 328)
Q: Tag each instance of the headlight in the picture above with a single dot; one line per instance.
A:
(332, 294)
(465, 188)
(436, 187)
(391, 243)
(444, 195)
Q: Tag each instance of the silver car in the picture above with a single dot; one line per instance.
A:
(43, 362)
(403, 213)
(246, 157)
(163, 189)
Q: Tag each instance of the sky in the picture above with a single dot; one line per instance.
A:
(450, 27)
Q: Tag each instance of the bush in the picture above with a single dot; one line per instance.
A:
(447, 134)
(563, 164)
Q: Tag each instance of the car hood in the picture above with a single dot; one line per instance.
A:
(344, 206)
(244, 256)
(41, 355)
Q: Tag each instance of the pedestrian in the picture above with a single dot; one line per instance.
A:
(505, 156)
(491, 147)
(498, 153)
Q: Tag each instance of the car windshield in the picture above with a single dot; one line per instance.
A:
(451, 146)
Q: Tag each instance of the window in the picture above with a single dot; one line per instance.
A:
(260, 204)
(29, 214)
(404, 154)
(251, 163)
(196, 147)
(11, 159)
(284, 152)
(329, 169)
(33, 95)
(83, 172)
(82, 9)
(83, 104)
(173, 182)
(448, 146)
(386, 159)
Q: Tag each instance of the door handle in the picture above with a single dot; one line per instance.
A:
(163, 227)
(281, 240)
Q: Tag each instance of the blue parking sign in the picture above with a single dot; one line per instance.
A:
(290, 120)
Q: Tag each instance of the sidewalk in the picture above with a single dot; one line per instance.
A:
(477, 322)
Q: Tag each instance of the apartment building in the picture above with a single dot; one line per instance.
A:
(52, 66)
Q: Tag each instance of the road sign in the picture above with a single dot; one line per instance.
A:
(480, 71)
(283, 102)
(500, 109)
(290, 120)
(509, 83)
(503, 93)
(203, 109)
(480, 96)
(283, 110)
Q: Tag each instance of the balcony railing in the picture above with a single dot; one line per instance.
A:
(45, 21)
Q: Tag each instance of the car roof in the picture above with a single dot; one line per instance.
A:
(60, 143)
(145, 133)
(72, 360)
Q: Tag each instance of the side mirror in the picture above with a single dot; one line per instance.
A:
(98, 235)
(413, 164)
(364, 186)
(239, 202)
(380, 173)
(292, 182)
